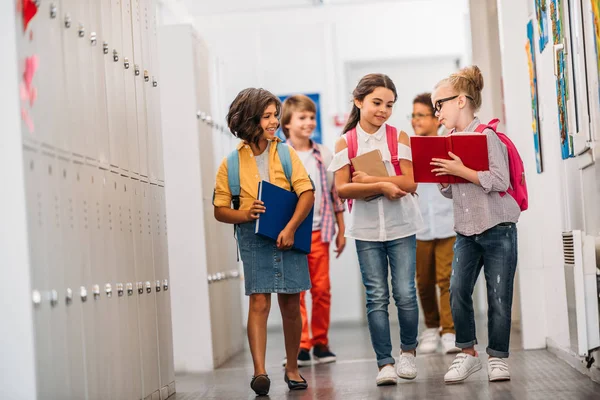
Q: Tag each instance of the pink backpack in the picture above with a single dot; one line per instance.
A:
(392, 141)
(518, 186)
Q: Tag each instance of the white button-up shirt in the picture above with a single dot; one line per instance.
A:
(380, 220)
(437, 212)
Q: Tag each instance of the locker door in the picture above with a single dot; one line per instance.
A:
(165, 334)
(148, 328)
(73, 276)
(129, 277)
(130, 106)
(36, 215)
(98, 302)
(154, 105)
(43, 102)
(138, 29)
(100, 58)
(86, 211)
(56, 276)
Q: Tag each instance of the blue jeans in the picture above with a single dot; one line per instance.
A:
(373, 258)
(496, 251)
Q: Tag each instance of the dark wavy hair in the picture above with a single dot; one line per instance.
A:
(365, 87)
(246, 110)
(425, 99)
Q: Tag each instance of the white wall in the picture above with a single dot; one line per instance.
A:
(16, 330)
(306, 49)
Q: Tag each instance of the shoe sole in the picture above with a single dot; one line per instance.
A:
(325, 360)
(455, 350)
(387, 382)
(468, 374)
(500, 379)
(261, 386)
(408, 377)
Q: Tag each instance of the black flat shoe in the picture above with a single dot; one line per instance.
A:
(296, 385)
(260, 384)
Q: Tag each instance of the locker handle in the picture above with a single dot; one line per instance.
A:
(83, 294)
(115, 55)
(126, 62)
(96, 290)
(81, 31)
(36, 297)
(108, 290)
(129, 289)
(120, 289)
(154, 82)
(158, 286)
(105, 47)
(67, 21)
(137, 70)
(53, 297)
(69, 296)
(93, 40)
(53, 10)
(165, 285)
(140, 287)
(146, 75)
(148, 287)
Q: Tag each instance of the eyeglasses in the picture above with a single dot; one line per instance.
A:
(418, 116)
(440, 102)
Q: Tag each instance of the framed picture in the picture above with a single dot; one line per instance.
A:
(535, 123)
(317, 135)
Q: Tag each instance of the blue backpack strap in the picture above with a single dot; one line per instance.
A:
(286, 161)
(233, 176)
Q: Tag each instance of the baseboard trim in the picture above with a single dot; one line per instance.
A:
(576, 361)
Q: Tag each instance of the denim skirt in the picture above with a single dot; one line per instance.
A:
(267, 269)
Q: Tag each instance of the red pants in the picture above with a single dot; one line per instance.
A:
(318, 266)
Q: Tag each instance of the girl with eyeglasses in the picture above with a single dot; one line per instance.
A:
(485, 222)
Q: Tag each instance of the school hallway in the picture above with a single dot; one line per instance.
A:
(535, 374)
(118, 123)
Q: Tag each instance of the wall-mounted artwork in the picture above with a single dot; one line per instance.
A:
(535, 126)
(596, 14)
(541, 13)
(317, 135)
(562, 89)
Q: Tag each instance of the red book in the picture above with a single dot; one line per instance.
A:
(471, 148)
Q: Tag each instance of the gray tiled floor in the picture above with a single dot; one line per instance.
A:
(535, 375)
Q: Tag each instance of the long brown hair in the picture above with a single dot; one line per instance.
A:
(365, 87)
(246, 111)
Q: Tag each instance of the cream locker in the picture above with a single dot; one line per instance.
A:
(137, 25)
(97, 299)
(74, 271)
(154, 149)
(43, 104)
(165, 335)
(148, 161)
(100, 57)
(86, 217)
(36, 213)
(129, 86)
(147, 300)
(56, 275)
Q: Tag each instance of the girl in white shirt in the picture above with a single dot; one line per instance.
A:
(384, 228)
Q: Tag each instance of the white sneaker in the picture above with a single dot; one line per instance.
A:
(449, 343)
(498, 370)
(462, 367)
(429, 341)
(406, 368)
(387, 376)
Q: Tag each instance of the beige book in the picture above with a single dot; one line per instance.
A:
(370, 163)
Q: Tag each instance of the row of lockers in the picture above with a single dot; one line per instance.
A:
(89, 73)
(95, 236)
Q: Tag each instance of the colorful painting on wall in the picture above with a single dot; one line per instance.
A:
(596, 15)
(541, 13)
(562, 90)
(535, 126)
(317, 135)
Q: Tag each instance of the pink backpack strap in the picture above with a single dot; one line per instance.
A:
(493, 125)
(392, 141)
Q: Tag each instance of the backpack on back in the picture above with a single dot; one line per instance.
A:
(518, 186)
(233, 171)
(392, 141)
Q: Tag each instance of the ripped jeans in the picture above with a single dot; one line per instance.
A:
(496, 251)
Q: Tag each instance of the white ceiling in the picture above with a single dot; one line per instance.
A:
(208, 7)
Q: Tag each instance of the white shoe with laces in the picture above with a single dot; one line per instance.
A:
(462, 367)
(429, 341)
(498, 369)
(449, 343)
(387, 376)
(406, 367)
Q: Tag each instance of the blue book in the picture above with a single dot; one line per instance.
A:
(281, 205)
